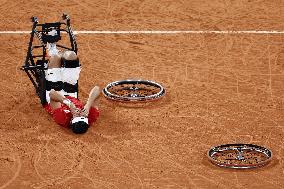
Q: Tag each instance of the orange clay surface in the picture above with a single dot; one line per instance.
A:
(220, 89)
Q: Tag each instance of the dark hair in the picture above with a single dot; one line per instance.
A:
(79, 127)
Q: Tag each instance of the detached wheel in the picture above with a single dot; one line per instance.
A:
(239, 156)
(133, 91)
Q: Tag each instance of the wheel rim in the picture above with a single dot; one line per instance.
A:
(239, 156)
(133, 90)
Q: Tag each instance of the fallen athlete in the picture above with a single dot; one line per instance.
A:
(63, 105)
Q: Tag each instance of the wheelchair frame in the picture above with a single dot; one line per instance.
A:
(35, 65)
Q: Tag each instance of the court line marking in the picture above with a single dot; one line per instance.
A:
(162, 32)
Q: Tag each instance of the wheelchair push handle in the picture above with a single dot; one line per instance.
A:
(67, 18)
(34, 19)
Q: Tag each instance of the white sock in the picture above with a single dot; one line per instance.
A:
(52, 49)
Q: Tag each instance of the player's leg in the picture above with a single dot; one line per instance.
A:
(70, 73)
(54, 61)
(69, 55)
(53, 73)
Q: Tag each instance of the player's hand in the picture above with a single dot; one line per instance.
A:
(85, 112)
(75, 111)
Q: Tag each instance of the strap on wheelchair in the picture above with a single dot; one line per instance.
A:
(70, 63)
(59, 85)
(69, 88)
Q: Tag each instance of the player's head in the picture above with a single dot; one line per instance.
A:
(79, 125)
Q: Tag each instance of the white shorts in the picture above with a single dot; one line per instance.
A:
(70, 75)
(53, 74)
(66, 75)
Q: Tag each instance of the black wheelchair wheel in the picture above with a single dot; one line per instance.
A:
(133, 90)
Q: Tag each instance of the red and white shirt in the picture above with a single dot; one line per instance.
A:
(63, 115)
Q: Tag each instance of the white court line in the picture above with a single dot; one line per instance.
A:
(161, 32)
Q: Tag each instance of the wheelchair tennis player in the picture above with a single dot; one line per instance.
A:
(61, 77)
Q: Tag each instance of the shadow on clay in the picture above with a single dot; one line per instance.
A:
(146, 104)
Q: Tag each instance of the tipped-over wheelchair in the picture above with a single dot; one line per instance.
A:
(36, 62)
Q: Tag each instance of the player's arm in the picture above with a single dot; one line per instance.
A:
(91, 102)
(56, 96)
(56, 99)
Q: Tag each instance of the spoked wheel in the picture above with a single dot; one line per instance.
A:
(239, 156)
(133, 91)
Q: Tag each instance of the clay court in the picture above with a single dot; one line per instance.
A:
(221, 88)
